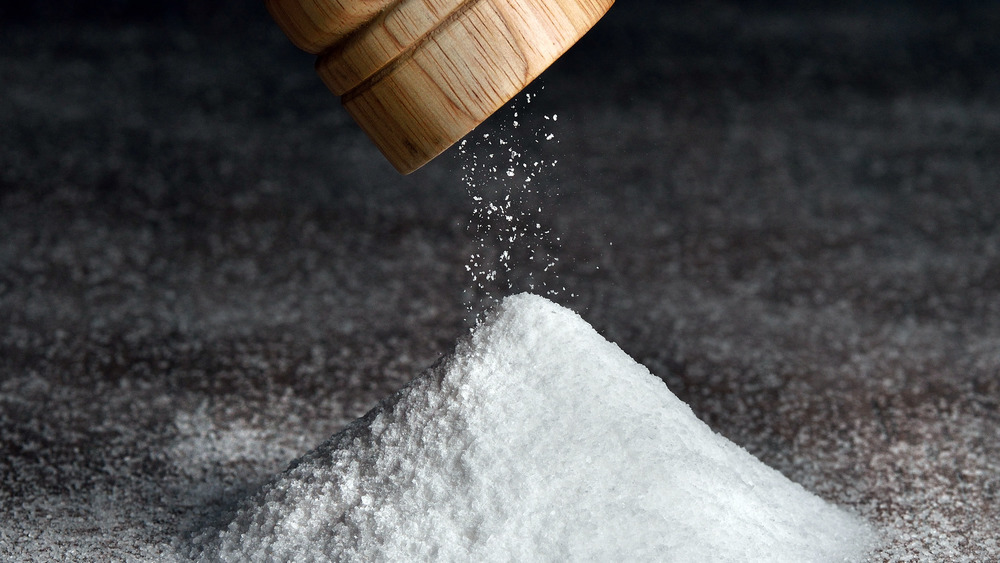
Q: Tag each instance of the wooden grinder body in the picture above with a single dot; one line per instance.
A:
(418, 75)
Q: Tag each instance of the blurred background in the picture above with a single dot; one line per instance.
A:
(788, 211)
(118, 11)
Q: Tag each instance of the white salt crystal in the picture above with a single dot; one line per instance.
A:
(537, 440)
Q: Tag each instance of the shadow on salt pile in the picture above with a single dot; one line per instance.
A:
(536, 440)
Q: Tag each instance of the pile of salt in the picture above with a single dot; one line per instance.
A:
(536, 440)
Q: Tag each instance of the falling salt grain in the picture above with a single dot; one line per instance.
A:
(488, 178)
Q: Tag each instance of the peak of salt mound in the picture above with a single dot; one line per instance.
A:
(536, 440)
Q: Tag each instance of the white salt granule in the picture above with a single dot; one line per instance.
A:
(537, 440)
(502, 172)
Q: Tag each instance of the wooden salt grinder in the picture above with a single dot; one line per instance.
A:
(417, 75)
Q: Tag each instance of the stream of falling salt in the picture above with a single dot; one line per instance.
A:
(507, 176)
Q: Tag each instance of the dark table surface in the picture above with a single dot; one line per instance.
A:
(790, 214)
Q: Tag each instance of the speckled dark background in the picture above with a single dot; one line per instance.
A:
(789, 212)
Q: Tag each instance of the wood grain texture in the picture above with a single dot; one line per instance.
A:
(421, 74)
(314, 25)
(388, 36)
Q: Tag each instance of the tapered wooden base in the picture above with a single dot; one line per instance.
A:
(420, 74)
